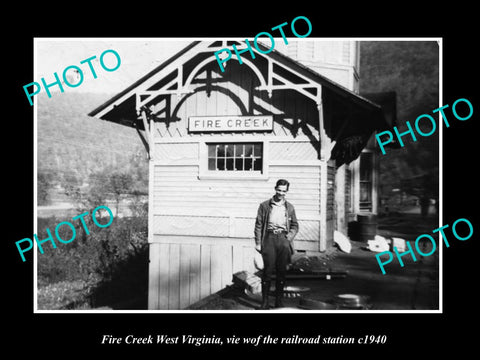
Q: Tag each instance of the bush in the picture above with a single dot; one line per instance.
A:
(114, 255)
(45, 182)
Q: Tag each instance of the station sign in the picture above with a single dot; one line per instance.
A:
(230, 123)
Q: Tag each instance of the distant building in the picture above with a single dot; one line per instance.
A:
(218, 141)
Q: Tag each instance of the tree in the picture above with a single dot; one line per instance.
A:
(411, 70)
(44, 183)
(119, 184)
(114, 183)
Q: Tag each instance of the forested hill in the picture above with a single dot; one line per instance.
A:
(411, 70)
(71, 146)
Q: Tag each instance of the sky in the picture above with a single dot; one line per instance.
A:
(138, 57)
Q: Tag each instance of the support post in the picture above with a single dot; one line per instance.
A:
(270, 78)
(325, 142)
(148, 132)
(322, 246)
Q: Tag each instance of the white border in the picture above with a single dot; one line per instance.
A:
(35, 152)
(439, 311)
(440, 173)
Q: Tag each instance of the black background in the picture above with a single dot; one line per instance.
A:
(64, 335)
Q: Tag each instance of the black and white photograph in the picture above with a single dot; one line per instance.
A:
(216, 180)
(239, 175)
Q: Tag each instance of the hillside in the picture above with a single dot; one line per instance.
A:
(410, 69)
(73, 147)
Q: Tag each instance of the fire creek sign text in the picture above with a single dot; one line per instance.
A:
(230, 123)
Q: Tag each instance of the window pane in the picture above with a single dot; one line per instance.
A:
(229, 163)
(258, 165)
(257, 150)
(211, 164)
(239, 150)
(248, 164)
(248, 150)
(365, 192)
(229, 150)
(239, 164)
(220, 150)
(221, 164)
(211, 151)
(366, 166)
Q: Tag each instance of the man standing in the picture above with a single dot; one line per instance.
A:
(275, 227)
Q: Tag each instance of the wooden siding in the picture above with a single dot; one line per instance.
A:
(176, 153)
(191, 224)
(340, 200)
(185, 205)
(286, 151)
(348, 189)
(330, 191)
(179, 187)
(182, 272)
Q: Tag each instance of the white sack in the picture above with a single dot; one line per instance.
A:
(342, 241)
(380, 244)
(399, 243)
(258, 260)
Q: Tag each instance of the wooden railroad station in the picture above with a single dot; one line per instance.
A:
(218, 141)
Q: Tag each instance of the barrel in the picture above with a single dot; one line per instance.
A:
(367, 226)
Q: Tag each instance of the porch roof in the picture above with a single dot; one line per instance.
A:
(350, 119)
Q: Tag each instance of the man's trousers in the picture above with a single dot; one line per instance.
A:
(276, 256)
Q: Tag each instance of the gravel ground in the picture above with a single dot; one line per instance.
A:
(412, 287)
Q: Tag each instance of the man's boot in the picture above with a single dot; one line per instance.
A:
(279, 285)
(265, 291)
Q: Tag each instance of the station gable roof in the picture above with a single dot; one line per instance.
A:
(349, 118)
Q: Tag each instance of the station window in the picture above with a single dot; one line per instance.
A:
(366, 172)
(235, 157)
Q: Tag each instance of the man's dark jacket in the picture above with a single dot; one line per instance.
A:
(261, 223)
